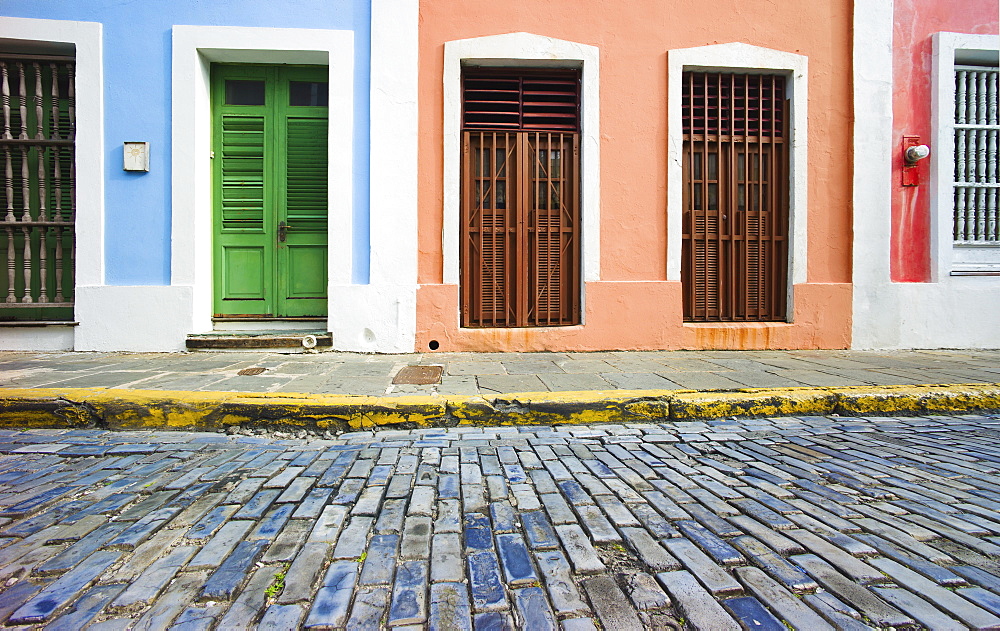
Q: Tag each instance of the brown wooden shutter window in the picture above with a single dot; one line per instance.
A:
(520, 246)
(735, 165)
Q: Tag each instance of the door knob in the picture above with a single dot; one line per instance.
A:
(282, 231)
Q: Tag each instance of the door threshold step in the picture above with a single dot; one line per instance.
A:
(287, 341)
(289, 326)
(268, 319)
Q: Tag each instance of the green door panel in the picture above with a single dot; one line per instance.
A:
(245, 278)
(303, 281)
(270, 190)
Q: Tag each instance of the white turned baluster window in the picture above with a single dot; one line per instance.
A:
(976, 182)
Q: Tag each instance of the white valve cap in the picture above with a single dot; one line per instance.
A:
(917, 153)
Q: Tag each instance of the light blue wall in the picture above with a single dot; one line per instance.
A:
(137, 70)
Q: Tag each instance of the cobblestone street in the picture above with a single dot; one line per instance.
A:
(817, 523)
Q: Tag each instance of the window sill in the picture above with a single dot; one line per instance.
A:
(22, 323)
(737, 323)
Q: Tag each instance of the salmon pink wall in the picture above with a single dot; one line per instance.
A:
(631, 316)
(634, 306)
(914, 22)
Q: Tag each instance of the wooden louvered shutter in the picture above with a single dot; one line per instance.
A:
(520, 200)
(242, 171)
(305, 170)
(735, 166)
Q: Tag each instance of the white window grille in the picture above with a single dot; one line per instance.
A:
(976, 182)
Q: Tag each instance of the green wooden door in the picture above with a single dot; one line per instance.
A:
(270, 190)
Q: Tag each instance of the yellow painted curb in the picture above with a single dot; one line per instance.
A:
(151, 409)
(160, 409)
(550, 408)
(848, 400)
(754, 402)
(927, 399)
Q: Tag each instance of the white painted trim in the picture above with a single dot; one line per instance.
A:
(740, 57)
(148, 318)
(523, 50)
(86, 37)
(394, 142)
(36, 338)
(963, 312)
(951, 312)
(876, 319)
(194, 49)
(945, 48)
(381, 316)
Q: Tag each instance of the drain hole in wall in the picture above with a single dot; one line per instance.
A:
(433, 345)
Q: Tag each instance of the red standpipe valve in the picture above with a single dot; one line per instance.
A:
(913, 153)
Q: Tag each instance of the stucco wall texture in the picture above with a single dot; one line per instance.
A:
(633, 306)
(914, 21)
(136, 49)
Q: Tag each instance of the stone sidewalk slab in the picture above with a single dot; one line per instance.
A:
(334, 391)
(353, 373)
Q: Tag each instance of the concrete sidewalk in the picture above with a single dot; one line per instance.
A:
(343, 391)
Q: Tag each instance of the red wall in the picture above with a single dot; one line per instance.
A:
(914, 22)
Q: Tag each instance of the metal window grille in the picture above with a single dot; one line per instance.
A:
(520, 201)
(976, 183)
(37, 201)
(735, 165)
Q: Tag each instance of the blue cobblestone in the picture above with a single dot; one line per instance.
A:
(258, 505)
(330, 606)
(234, 571)
(515, 560)
(493, 621)
(752, 614)
(478, 532)
(64, 590)
(409, 600)
(538, 530)
(485, 581)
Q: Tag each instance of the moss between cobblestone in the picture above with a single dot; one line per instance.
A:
(155, 409)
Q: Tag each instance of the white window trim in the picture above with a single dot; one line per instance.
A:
(946, 46)
(740, 57)
(89, 148)
(194, 49)
(523, 50)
